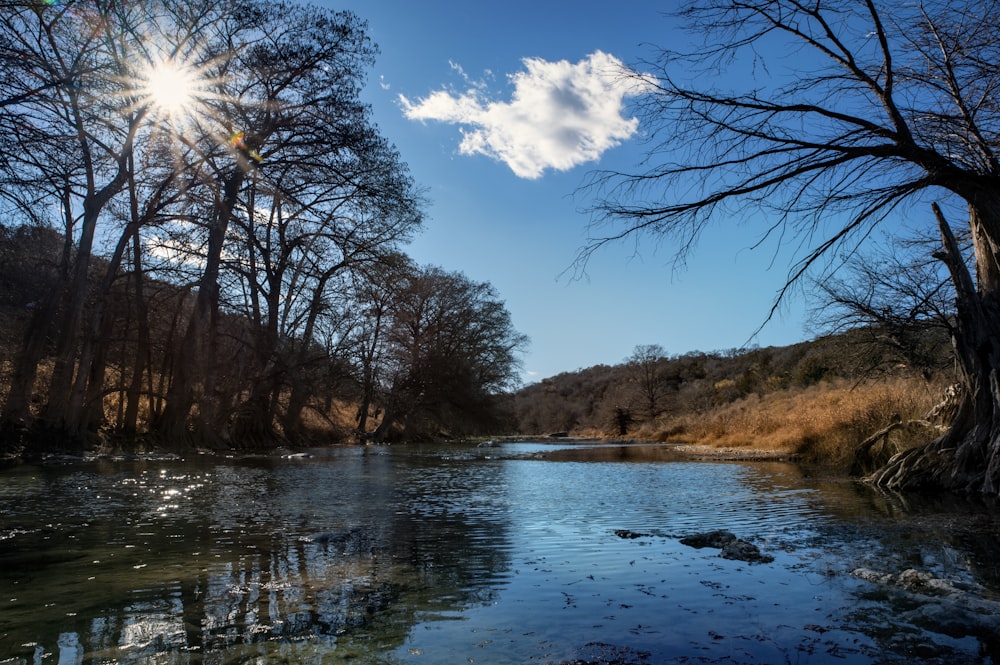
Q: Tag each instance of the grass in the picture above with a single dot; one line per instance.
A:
(823, 423)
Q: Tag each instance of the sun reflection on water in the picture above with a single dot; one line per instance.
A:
(414, 556)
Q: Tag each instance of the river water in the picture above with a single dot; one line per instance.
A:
(522, 553)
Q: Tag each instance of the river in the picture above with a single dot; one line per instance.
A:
(521, 553)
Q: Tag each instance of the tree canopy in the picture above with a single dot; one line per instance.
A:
(228, 212)
(838, 116)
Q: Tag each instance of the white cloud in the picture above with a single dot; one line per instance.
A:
(559, 116)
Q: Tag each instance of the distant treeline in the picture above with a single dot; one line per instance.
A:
(653, 387)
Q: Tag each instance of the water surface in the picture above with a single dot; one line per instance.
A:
(457, 554)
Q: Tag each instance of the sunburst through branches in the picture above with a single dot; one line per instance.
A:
(183, 100)
(171, 86)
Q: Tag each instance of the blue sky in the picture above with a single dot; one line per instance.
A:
(465, 91)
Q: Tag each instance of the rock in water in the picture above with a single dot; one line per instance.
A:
(709, 539)
(731, 546)
(630, 535)
(741, 550)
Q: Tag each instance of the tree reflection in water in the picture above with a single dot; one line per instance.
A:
(259, 557)
(442, 554)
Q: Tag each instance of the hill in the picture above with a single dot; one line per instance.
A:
(819, 400)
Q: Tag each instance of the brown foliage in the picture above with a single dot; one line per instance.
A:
(812, 399)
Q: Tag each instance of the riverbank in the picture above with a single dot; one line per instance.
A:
(696, 451)
(690, 451)
(683, 451)
(823, 424)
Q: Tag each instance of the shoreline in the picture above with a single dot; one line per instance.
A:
(733, 454)
(692, 451)
(696, 451)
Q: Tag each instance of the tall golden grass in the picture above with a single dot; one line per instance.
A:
(823, 423)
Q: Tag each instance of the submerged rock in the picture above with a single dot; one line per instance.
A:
(717, 539)
(940, 605)
(599, 653)
(630, 535)
(732, 547)
(741, 550)
(914, 581)
(348, 541)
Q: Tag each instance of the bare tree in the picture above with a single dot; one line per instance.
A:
(63, 93)
(76, 90)
(882, 105)
(646, 373)
(270, 125)
(452, 351)
(376, 291)
(299, 132)
(897, 303)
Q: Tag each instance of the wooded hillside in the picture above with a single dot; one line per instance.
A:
(819, 398)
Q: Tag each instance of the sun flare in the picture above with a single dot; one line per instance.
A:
(171, 87)
(179, 98)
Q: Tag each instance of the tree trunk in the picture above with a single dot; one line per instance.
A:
(86, 406)
(967, 457)
(57, 410)
(384, 427)
(60, 386)
(85, 410)
(299, 390)
(253, 421)
(291, 422)
(141, 362)
(252, 424)
(367, 395)
(195, 366)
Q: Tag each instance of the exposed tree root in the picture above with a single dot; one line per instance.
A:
(876, 451)
(957, 461)
(916, 469)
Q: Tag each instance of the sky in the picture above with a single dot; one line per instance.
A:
(474, 95)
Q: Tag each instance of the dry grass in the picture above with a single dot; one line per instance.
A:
(823, 423)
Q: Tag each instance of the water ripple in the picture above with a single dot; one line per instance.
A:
(373, 554)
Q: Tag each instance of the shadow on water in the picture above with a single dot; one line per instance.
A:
(511, 554)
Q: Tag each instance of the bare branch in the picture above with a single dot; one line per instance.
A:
(826, 153)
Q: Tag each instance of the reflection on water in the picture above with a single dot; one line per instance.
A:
(488, 555)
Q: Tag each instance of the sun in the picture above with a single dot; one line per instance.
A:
(183, 100)
(171, 87)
